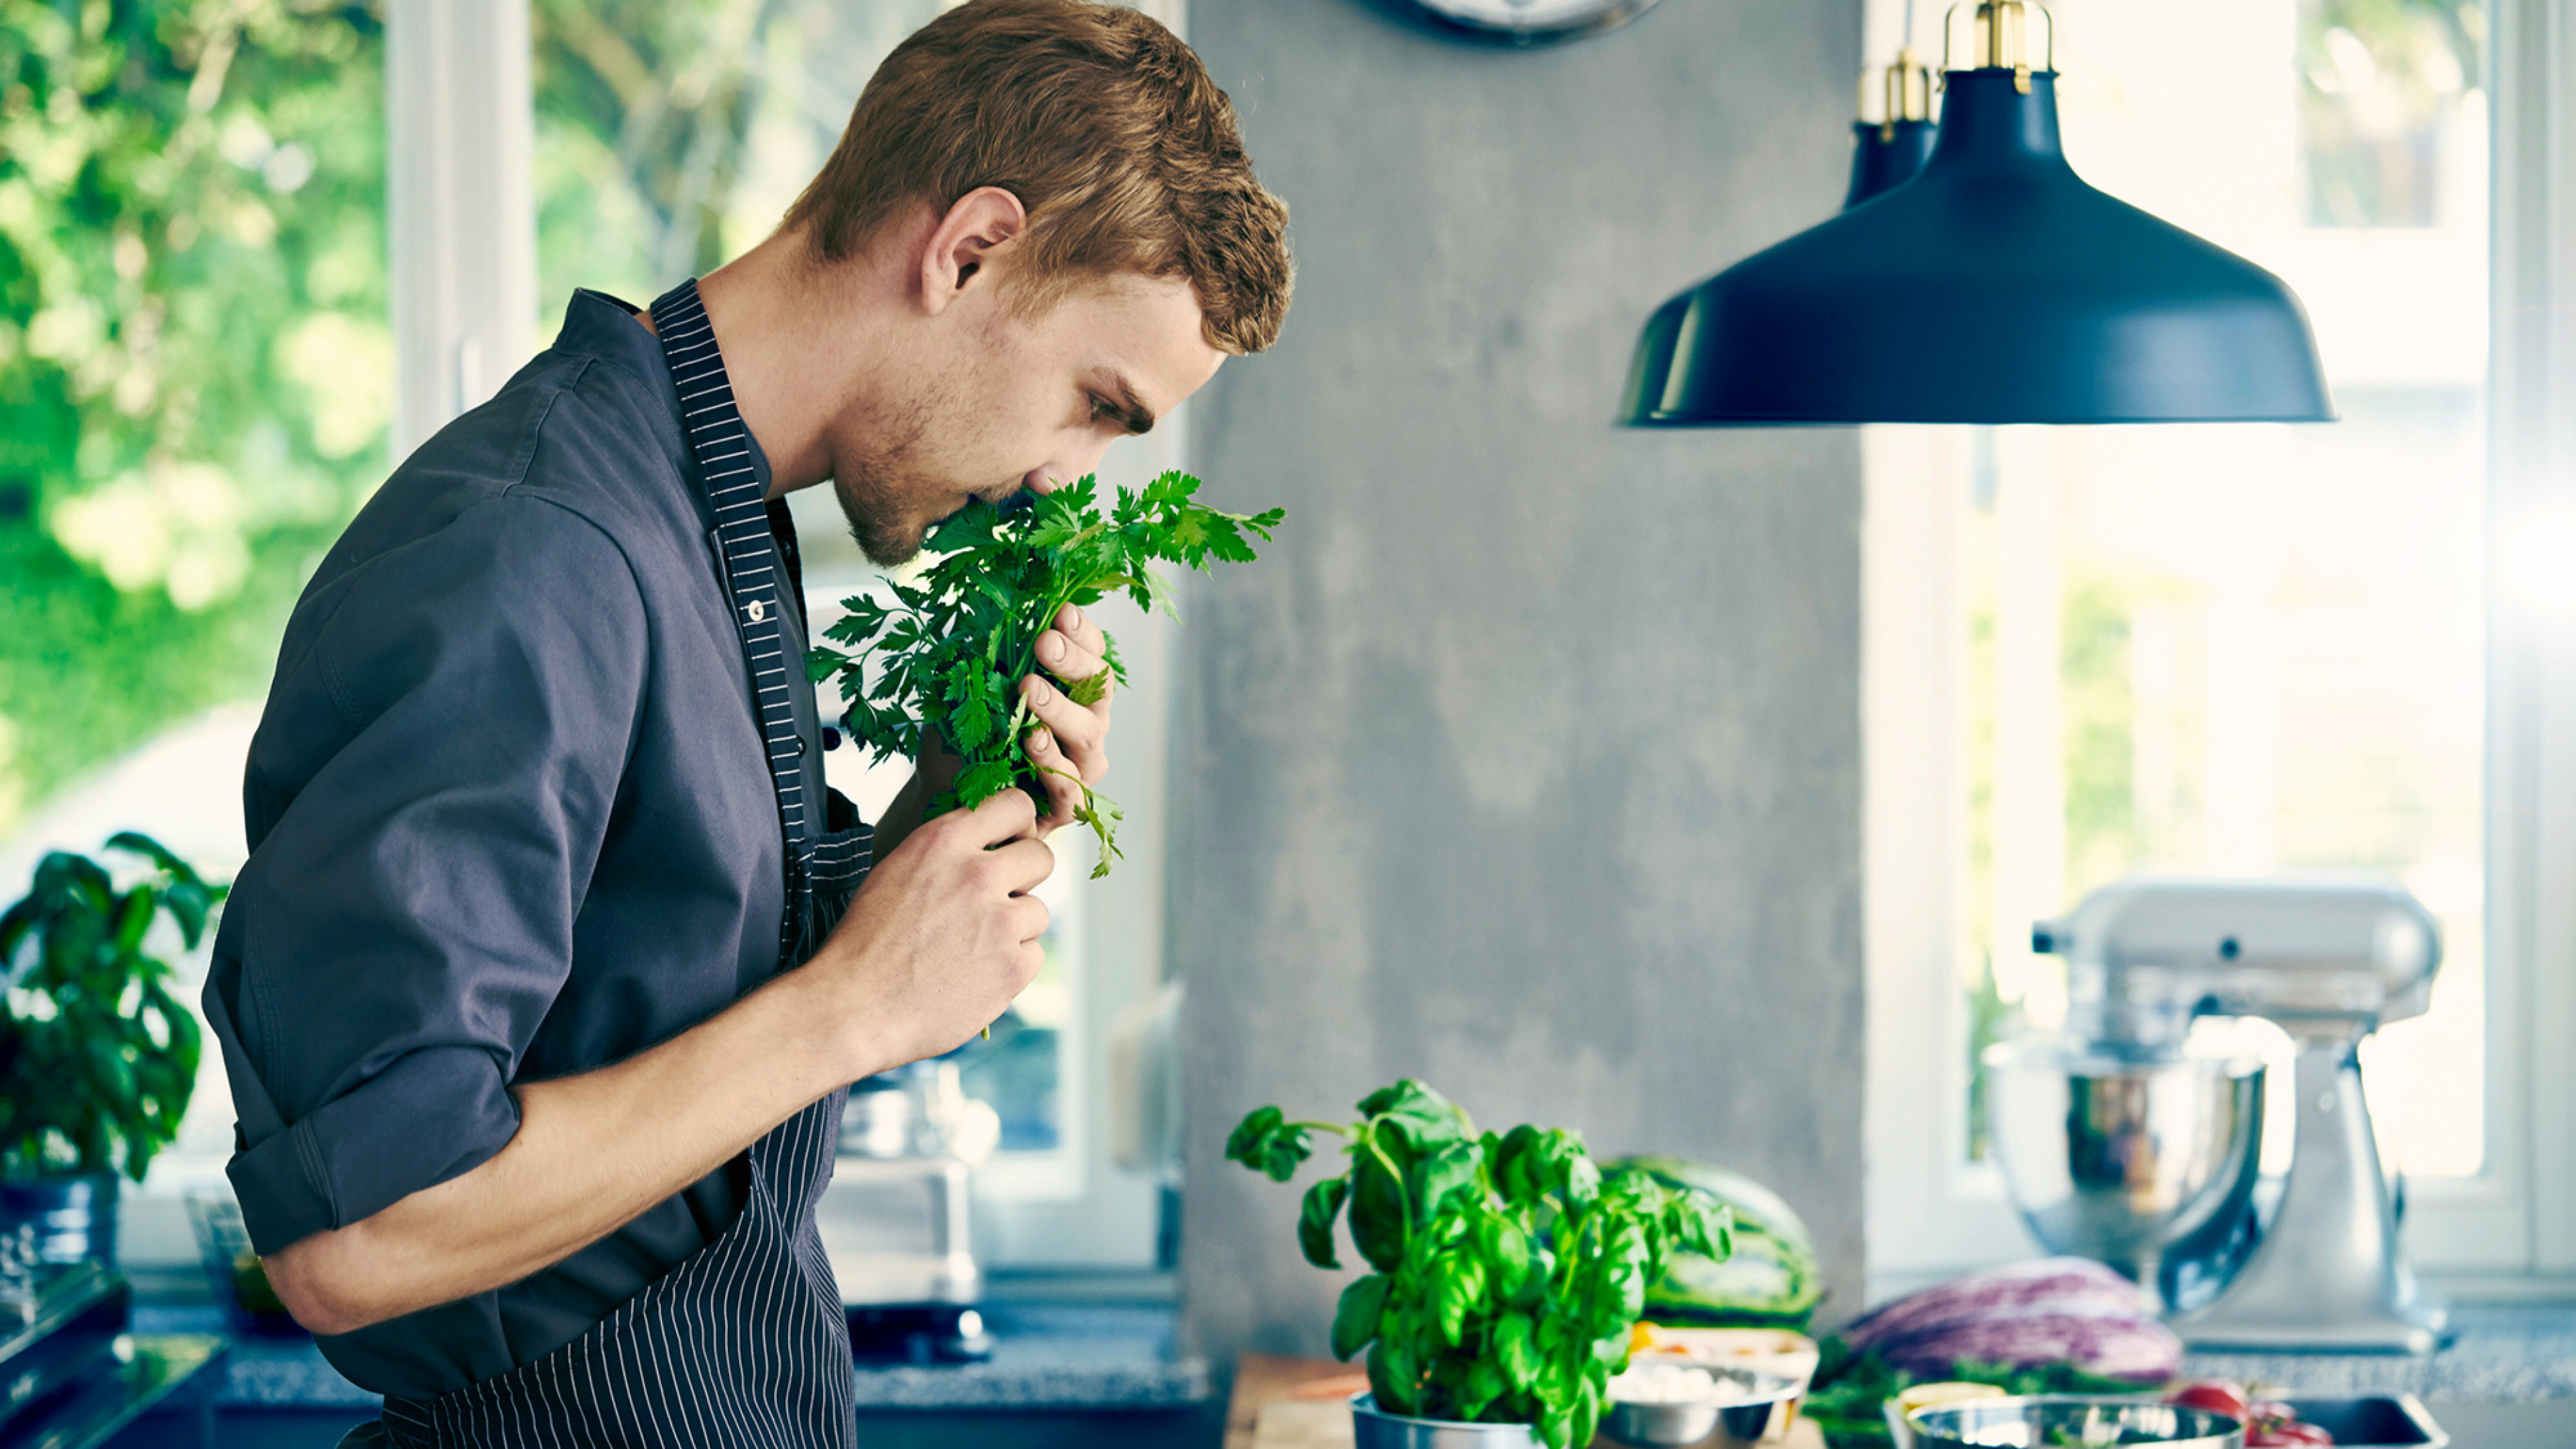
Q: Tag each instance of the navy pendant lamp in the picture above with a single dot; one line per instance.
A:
(1887, 154)
(1995, 287)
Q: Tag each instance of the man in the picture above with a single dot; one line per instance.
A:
(544, 980)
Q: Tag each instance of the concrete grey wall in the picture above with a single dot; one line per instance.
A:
(1528, 760)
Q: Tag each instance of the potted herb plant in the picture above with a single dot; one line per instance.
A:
(97, 1058)
(1507, 1270)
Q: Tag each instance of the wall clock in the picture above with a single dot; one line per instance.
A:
(1522, 22)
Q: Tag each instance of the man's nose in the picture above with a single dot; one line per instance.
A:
(1078, 463)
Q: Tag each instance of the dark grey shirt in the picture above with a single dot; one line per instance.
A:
(510, 818)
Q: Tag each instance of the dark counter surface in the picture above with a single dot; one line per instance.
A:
(1050, 1353)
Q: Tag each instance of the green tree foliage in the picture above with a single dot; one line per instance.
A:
(195, 360)
(2100, 725)
(644, 108)
(671, 134)
(2378, 81)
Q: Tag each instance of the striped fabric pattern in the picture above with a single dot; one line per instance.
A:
(744, 1345)
(722, 446)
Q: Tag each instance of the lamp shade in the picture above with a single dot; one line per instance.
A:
(1996, 287)
(1886, 155)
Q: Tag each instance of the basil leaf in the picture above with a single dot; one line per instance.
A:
(1380, 1209)
(1264, 1143)
(1315, 1219)
(1355, 1316)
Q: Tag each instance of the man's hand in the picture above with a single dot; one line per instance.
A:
(939, 940)
(1070, 746)
(943, 933)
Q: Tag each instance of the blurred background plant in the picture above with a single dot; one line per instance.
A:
(97, 1057)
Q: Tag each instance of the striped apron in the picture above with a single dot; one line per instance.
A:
(744, 1343)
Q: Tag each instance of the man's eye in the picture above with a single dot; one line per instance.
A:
(1099, 407)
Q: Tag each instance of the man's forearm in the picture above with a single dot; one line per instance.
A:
(592, 1153)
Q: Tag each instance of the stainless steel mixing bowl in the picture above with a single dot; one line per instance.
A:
(2089, 1420)
(1735, 1420)
(2115, 1159)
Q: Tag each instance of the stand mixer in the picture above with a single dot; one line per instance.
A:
(2136, 1136)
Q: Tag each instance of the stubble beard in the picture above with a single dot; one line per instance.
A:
(872, 484)
(871, 503)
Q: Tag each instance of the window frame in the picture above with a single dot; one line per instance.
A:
(462, 201)
(2509, 1232)
(461, 214)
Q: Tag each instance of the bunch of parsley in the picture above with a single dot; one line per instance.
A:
(943, 664)
(1849, 1389)
(1510, 1270)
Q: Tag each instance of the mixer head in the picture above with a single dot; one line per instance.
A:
(2146, 956)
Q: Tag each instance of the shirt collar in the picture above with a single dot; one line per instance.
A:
(600, 325)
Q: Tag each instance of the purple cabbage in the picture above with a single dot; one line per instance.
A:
(2053, 1311)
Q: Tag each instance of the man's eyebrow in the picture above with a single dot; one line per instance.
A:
(1130, 412)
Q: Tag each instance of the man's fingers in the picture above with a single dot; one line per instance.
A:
(1071, 662)
(1004, 817)
(1071, 733)
(1075, 649)
(1029, 916)
(1077, 626)
(1024, 864)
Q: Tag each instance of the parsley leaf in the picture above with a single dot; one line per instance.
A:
(944, 663)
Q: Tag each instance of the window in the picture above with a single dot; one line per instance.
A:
(327, 229)
(2237, 649)
(667, 139)
(196, 358)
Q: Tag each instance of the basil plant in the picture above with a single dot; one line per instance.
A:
(1507, 1271)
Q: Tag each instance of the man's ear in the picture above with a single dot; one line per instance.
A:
(959, 254)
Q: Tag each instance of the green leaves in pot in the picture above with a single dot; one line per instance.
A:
(944, 664)
(97, 1058)
(1508, 1271)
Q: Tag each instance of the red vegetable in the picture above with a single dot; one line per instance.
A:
(2216, 1395)
(2271, 1424)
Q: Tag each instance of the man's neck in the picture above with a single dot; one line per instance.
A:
(796, 340)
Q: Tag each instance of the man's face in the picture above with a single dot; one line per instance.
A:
(1016, 402)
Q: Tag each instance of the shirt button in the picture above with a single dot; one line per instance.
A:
(759, 610)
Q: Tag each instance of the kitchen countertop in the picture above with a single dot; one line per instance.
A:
(2509, 1355)
(1046, 1356)
(1068, 1354)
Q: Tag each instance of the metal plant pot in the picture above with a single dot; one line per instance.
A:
(1375, 1428)
(74, 1217)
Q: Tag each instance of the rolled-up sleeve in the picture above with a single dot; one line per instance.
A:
(438, 767)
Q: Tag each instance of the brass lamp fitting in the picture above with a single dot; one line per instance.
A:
(1999, 37)
(1905, 93)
